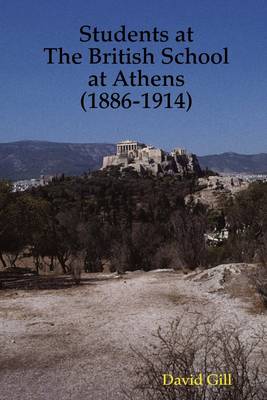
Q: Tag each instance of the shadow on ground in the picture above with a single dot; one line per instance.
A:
(29, 280)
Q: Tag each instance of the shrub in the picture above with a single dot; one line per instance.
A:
(191, 346)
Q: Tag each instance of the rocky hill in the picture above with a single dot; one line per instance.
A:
(144, 159)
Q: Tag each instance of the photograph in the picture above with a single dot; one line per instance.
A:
(133, 200)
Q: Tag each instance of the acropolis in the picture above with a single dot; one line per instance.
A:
(145, 158)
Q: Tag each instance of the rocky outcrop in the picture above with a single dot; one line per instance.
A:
(148, 159)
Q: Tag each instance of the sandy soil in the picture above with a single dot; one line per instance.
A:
(75, 343)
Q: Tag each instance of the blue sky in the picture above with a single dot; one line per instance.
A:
(40, 101)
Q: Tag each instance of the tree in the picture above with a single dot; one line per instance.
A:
(246, 217)
(187, 227)
(5, 198)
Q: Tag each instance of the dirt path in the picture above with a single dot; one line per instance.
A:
(75, 343)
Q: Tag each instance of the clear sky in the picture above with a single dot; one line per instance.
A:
(40, 101)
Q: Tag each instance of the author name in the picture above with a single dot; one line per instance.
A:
(212, 379)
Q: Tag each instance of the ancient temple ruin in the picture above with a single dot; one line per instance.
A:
(144, 158)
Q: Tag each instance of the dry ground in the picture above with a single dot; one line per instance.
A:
(74, 343)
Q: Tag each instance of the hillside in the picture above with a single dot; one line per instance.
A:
(30, 159)
(234, 162)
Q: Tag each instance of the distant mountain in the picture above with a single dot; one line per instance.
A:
(233, 162)
(30, 159)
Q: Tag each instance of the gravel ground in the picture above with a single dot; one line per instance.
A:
(75, 343)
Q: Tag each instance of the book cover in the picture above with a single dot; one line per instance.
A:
(133, 188)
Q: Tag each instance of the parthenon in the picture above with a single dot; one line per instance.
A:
(128, 145)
